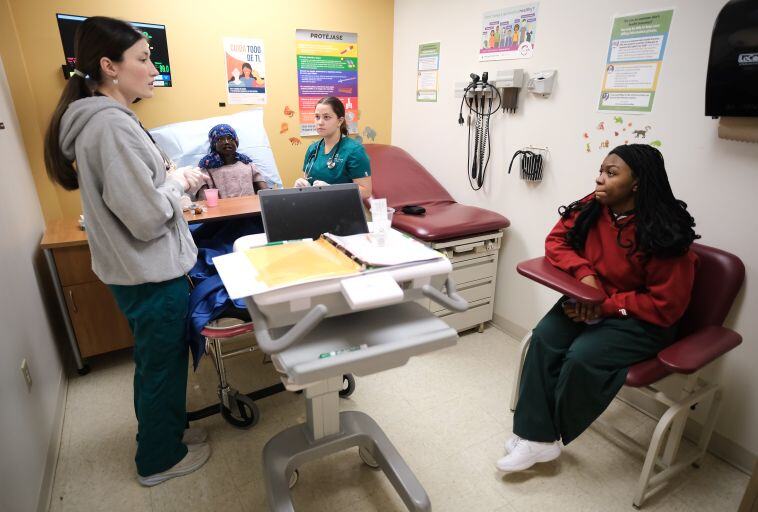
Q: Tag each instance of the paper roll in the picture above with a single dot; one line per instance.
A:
(744, 129)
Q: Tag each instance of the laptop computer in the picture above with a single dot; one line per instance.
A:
(309, 212)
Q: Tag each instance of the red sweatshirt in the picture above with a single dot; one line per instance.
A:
(656, 290)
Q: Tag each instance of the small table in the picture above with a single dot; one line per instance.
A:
(94, 324)
(230, 208)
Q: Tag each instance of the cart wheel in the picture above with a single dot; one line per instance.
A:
(247, 414)
(293, 478)
(367, 458)
(348, 385)
(84, 370)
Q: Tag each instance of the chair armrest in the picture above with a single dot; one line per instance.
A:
(542, 271)
(692, 352)
(229, 331)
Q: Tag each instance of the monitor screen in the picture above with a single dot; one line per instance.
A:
(155, 34)
(297, 213)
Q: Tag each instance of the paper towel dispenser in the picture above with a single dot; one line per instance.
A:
(732, 85)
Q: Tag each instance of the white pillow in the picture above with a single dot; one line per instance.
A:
(187, 143)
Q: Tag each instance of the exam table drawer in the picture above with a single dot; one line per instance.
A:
(472, 292)
(474, 260)
(478, 313)
(475, 269)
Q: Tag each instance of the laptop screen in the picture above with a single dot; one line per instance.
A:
(296, 213)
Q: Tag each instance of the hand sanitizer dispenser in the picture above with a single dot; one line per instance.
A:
(542, 82)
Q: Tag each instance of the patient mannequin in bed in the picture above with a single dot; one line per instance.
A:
(232, 173)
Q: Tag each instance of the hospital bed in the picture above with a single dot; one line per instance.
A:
(469, 236)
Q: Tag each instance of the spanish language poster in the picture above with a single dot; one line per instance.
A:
(327, 65)
(245, 71)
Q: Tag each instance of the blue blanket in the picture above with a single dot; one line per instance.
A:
(208, 298)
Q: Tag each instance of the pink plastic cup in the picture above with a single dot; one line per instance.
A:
(211, 197)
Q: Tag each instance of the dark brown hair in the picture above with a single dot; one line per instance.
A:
(339, 110)
(96, 37)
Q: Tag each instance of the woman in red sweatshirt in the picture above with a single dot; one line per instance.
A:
(629, 238)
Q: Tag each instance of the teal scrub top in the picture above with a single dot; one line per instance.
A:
(350, 162)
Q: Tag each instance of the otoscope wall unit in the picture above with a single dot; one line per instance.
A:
(482, 99)
(507, 82)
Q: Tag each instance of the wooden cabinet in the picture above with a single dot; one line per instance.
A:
(98, 324)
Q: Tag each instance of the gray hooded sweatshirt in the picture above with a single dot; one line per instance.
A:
(135, 227)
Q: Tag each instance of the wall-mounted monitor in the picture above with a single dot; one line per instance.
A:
(155, 34)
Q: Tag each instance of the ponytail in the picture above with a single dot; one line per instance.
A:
(59, 168)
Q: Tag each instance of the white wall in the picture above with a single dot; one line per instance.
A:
(28, 417)
(718, 179)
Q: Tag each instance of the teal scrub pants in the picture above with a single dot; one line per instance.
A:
(157, 315)
(573, 370)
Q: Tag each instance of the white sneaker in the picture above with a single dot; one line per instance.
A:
(511, 443)
(194, 459)
(194, 435)
(526, 454)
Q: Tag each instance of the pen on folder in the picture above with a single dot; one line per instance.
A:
(281, 242)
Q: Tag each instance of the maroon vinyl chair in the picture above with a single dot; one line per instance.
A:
(702, 338)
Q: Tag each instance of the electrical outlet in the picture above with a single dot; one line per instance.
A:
(26, 373)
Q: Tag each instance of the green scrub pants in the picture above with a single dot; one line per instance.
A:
(157, 315)
(573, 370)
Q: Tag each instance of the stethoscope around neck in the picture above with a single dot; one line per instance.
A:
(330, 163)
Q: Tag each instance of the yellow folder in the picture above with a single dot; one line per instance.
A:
(294, 262)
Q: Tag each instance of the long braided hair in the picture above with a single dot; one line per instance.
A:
(663, 226)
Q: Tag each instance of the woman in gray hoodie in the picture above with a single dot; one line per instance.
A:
(141, 246)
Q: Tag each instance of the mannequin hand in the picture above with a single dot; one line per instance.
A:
(319, 183)
(301, 182)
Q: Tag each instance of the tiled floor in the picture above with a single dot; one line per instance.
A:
(446, 413)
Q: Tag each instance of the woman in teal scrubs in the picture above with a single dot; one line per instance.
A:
(335, 158)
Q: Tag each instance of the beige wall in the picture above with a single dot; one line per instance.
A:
(717, 178)
(32, 416)
(195, 31)
(25, 102)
